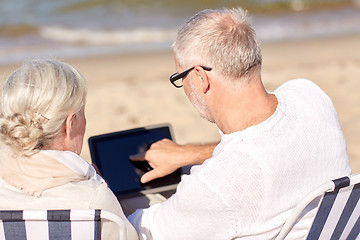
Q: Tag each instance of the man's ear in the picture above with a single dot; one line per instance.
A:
(205, 81)
(69, 123)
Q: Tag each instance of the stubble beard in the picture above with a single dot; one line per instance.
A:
(199, 104)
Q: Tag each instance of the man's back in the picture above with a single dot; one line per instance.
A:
(256, 176)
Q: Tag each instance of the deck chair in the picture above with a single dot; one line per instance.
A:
(56, 224)
(337, 217)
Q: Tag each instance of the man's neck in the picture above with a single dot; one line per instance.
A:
(242, 107)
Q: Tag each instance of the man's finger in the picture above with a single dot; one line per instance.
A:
(138, 157)
(149, 176)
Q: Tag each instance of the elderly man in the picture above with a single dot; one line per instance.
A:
(274, 148)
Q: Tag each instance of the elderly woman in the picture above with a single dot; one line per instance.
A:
(42, 126)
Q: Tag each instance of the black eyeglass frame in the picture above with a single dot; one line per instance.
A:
(177, 76)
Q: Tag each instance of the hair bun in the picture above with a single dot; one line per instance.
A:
(22, 131)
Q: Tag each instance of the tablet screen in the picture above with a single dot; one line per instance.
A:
(110, 152)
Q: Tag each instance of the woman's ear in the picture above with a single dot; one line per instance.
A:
(205, 81)
(69, 124)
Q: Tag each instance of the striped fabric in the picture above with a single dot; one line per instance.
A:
(50, 224)
(338, 216)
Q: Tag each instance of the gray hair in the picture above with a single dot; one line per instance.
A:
(221, 39)
(35, 102)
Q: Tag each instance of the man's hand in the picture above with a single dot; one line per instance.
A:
(165, 157)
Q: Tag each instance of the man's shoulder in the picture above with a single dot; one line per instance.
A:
(303, 91)
(301, 83)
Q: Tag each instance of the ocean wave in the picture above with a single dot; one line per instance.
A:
(108, 37)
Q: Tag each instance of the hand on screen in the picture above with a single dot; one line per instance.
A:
(163, 156)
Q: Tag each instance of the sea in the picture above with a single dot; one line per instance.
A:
(79, 28)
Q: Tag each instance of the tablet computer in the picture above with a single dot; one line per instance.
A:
(110, 152)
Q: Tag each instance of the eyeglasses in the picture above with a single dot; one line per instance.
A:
(176, 78)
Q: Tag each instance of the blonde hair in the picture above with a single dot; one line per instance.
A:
(35, 102)
(222, 39)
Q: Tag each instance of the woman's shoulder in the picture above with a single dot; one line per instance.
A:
(97, 194)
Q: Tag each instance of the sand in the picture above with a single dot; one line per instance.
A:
(132, 90)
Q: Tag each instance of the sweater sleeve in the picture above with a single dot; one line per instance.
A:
(105, 199)
(189, 214)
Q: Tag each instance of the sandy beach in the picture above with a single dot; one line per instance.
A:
(132, 90)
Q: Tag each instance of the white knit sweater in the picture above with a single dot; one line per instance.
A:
(256, 176)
